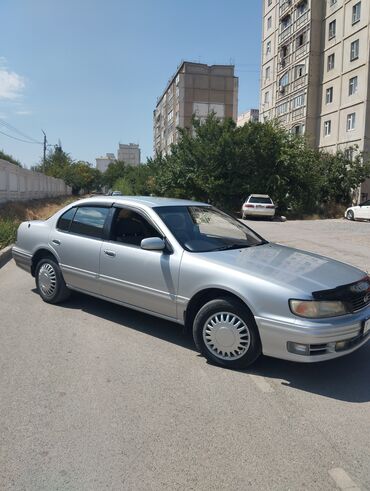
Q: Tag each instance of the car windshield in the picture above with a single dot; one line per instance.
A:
(205, 229)
(254, 199)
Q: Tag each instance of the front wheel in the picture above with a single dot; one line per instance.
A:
(226, 333)
(50, 282)
(350, 215)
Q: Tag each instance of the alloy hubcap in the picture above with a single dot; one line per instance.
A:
(226, 335)
(47, 280)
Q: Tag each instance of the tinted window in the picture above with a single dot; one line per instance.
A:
(65, 220)
(266, 201)
(131, 228)
(89, 220)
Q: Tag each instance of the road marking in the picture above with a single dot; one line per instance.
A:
(261, 383)
(342, 479)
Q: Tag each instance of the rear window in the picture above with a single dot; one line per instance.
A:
(265, 201)
(65, 220)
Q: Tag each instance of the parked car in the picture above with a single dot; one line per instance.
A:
(190, 263)
(361, 211)
(258, 205)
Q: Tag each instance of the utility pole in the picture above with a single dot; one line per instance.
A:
(45, 143)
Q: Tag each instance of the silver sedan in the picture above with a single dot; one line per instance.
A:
(192, 264)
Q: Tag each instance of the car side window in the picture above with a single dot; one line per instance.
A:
(129, 227)
(89, 220)
(65, 220)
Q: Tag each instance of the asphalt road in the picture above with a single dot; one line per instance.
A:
(94, 396)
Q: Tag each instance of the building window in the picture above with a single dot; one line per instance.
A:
(268, 47)
(351, 121)
(283, 82)
(299, 71)
(329, 95)
(282, 108)
(301, 8)
(298, 101)
(269, 2)
(327, 128)
(332, 29)
(331, 60)
(353, 85)
(298, 129)
(332, 2)
(355, 48)
(267, 97)
(170, 116)
(269, 23)
(285, 22)
(267, 73)
(356, 13)
(300, 40)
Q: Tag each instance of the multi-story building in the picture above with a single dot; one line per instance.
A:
(315, 71)
(130, 154)
(103, 162)
(195, 89)
(251, 115)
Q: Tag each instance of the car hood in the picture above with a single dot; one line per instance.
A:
(303, 271)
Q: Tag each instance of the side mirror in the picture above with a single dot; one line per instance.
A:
(153, 244)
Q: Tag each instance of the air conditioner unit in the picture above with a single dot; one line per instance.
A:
(281, 89)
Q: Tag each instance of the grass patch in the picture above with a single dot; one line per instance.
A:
(15, 212)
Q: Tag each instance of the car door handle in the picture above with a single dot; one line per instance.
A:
(56, 241)
(109, 253)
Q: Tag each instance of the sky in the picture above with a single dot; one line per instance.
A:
(88, 72)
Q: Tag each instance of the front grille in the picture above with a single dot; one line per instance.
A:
(359, 301)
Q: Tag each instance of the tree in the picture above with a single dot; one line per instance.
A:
(116, 170)
(9, 158)
(222, 164)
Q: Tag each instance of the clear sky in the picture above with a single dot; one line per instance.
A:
(89, 71)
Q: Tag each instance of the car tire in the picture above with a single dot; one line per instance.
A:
(225, 332)
(50, 282)
(350, 215)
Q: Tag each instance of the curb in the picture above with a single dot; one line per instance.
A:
(5, 255)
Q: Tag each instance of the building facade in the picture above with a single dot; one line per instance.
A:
(103, 162)
(129, 153)
(195, 89)
(315, 71)
(251, 115)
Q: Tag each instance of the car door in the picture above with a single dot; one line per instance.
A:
(145, 279)
(77, 240)
(365, 210)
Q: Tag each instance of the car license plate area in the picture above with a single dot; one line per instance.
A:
(366, 327)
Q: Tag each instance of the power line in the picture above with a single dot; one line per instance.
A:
(15, 130)
(20, 140)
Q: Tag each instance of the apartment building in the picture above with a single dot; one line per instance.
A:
(315, 71)
(103, 162)
(197, 89)
(251, 115)
(129, 153)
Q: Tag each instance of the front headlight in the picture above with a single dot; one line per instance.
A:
(313, 309)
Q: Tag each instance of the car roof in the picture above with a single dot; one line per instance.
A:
(149, 201)
(259, 196)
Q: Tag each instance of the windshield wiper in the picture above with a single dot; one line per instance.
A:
(232, 246)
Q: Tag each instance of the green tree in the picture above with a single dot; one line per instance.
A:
(9, 158)
(116, 170)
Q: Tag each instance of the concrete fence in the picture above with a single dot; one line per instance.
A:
(22, 184)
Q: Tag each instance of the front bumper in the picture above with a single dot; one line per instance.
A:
(322, 336)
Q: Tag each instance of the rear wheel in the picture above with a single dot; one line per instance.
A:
(226, 333)
(350, 215)
(50, 282)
